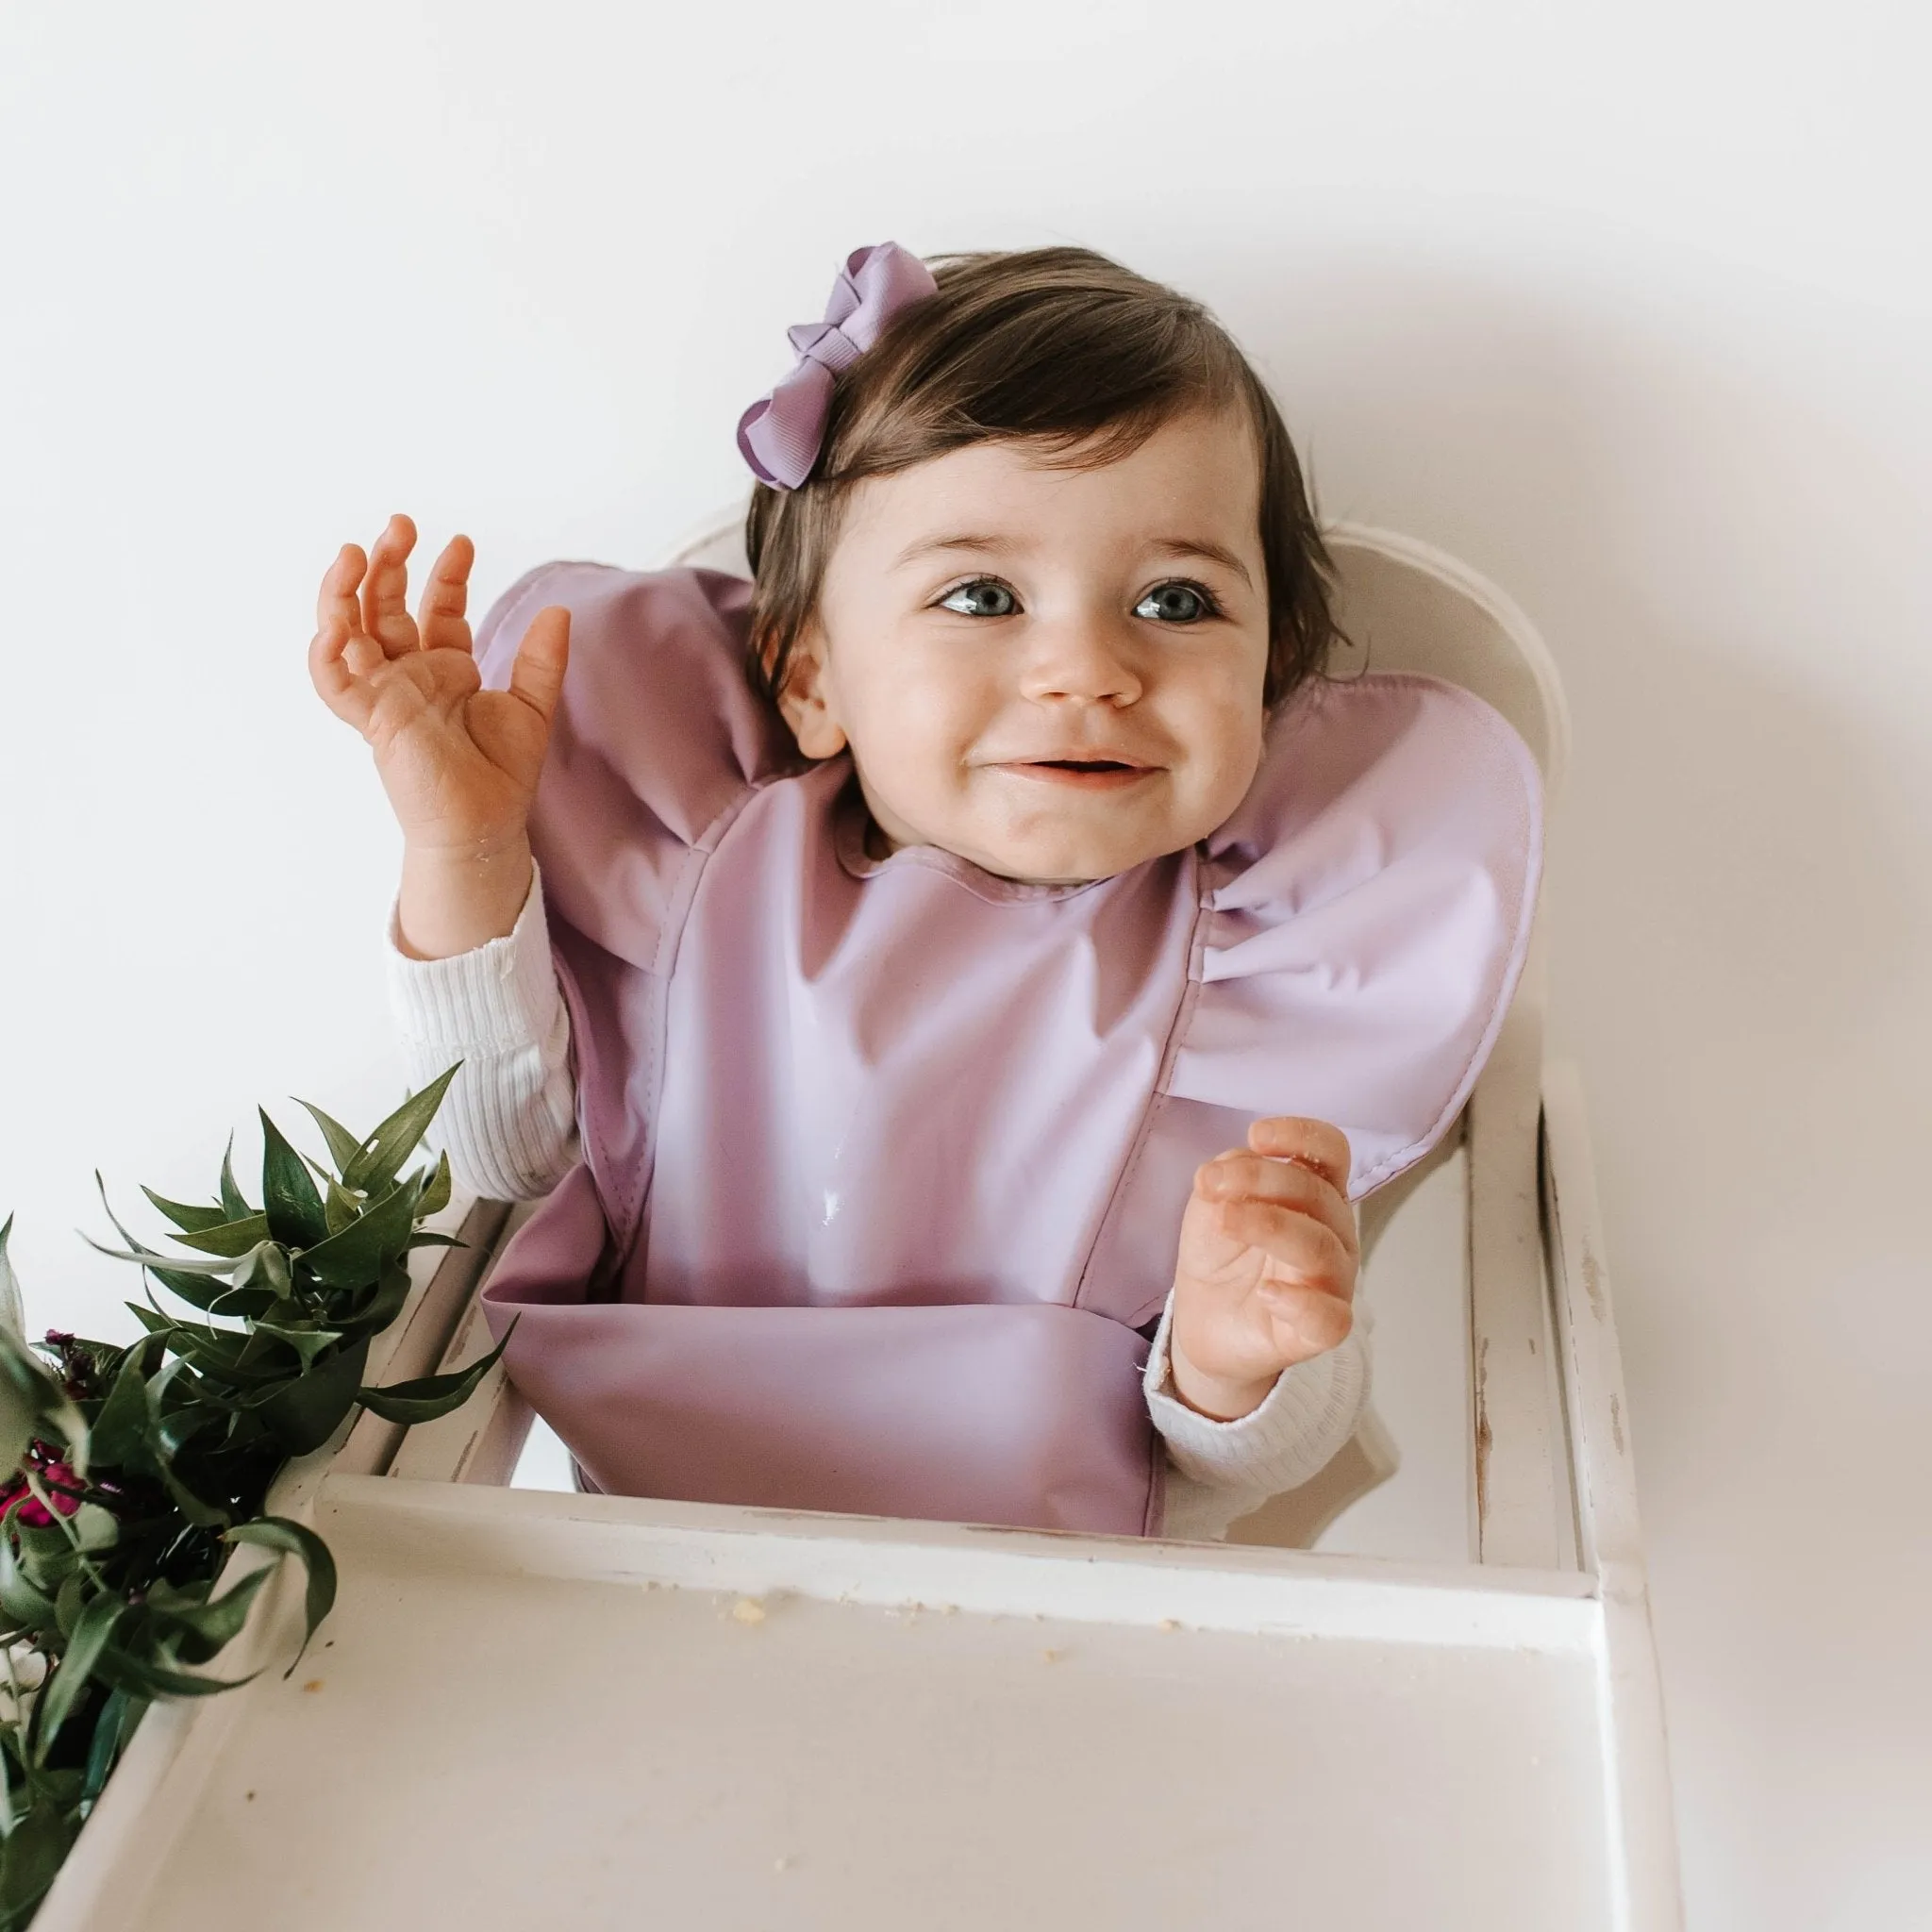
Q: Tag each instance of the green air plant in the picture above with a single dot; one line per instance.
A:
(136, 1470)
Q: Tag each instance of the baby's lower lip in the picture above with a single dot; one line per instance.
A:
(1110, 778)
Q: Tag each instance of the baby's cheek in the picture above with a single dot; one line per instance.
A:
(1224, 750)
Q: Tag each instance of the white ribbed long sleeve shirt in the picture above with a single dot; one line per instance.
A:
(507, 1124)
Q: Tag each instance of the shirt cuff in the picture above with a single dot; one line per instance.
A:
(499, 996)
(1300, 1424)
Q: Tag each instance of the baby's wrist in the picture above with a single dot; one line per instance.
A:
(1221, 1399)
(432, 849)
(452, 901)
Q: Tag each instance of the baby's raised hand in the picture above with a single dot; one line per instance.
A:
(459, 764)
(1268, 1263)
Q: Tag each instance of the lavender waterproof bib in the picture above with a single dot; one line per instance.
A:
(884, 1161)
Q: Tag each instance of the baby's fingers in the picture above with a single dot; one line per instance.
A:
(341, 652)
(537, 676)
(338, 616)
(1316, 1145)
(1318, 1321)
(1309, 1251)
(385, 589)
(1241, 1176)
(440, 616)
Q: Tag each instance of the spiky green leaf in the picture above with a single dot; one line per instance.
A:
(296, 1539)
(175, 1419)
(12, 1305)
(127, 1671)
(177, 1263)
(185, 1214)
(209, 1292)
(92, 1629)
(370, 1314)
(342, 1145)
(232, 1238)
(380, 1158)
(75, 1590)
(290, 1201)
(306, 1343)
(123, 1417)
(266, 1265)
(213, 1623)
(305, 1412)
(436, 1190)
(242, 1303)
(355, 1256)
(139, 1247)
(339, 1208)
(429, 1396)
(113, 1729)
(234, 1204)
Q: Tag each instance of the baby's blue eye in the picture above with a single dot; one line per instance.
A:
(1175, 603)
(982, 597)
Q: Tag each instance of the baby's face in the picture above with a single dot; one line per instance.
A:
(1054, 673)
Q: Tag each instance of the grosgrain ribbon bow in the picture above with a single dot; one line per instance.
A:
(780, 434)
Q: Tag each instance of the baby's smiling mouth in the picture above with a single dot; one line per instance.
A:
(1094, 774)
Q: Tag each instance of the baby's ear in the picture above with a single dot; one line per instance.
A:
(802, 699)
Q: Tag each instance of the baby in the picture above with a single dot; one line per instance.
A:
(897, 972)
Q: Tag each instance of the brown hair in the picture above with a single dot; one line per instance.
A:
(1056, 344)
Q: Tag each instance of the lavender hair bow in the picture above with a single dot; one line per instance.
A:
(780, 434)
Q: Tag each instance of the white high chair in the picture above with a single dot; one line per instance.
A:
(612, 1709)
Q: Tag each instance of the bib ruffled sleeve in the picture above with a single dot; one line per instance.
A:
(1368, 909)
(647, 759)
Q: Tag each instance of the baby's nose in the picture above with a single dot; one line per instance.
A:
(1085, 661)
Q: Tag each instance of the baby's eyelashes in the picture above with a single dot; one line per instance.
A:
(981, 597)
(1177, 601)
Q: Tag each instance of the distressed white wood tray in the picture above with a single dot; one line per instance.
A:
(535, 1709)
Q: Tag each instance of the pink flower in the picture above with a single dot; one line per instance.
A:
(18, 1501)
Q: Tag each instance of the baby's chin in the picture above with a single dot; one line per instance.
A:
(1050, 835)
(1075, 856)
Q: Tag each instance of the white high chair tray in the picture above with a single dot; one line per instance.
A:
(535, 1709)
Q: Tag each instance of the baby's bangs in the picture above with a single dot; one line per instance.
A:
(1084, 371)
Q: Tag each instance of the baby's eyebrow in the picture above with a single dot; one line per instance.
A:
(1199, 546)
(1166, 546)
(925, 546)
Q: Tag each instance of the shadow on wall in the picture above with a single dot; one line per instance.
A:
(1730, 576)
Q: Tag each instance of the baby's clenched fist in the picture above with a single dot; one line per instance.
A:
(1269, 1256)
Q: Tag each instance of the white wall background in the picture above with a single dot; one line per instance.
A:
(1625, 306)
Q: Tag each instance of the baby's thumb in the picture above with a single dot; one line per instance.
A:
(536, 677)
